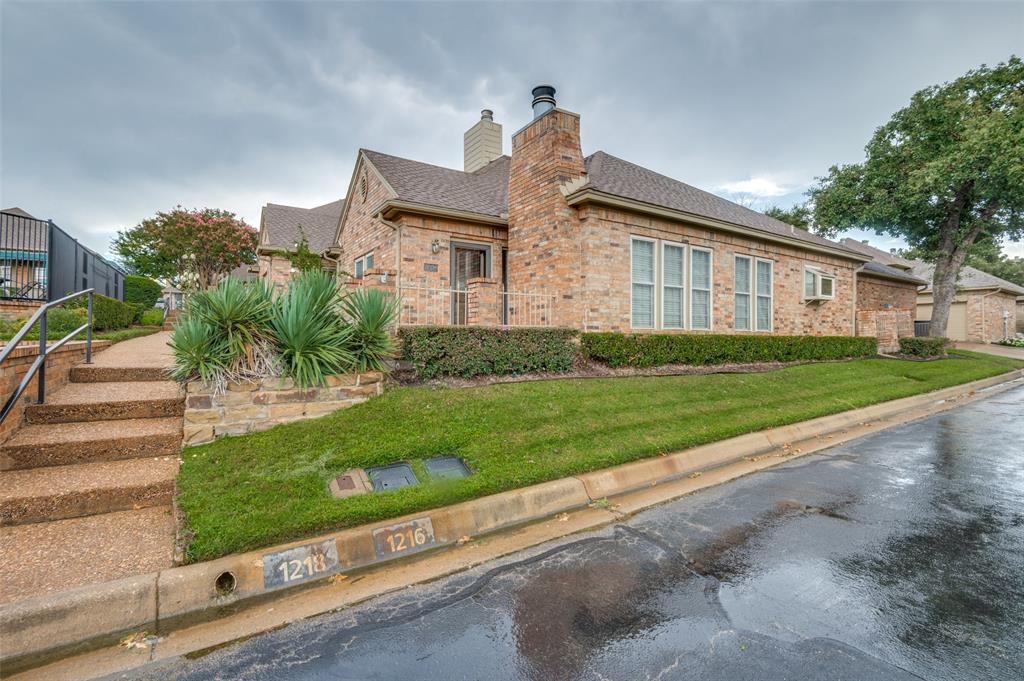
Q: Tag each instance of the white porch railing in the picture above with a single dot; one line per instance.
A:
(425, 305)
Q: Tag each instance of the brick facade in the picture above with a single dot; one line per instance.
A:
(275, 269)
(363, 232)
(985, 316)
(545, 235)
(885, 310)
(606, 237)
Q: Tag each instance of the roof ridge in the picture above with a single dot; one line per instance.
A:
(412, 160)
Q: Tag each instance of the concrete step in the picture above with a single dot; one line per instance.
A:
(110, 401)
(61, 444)
(44, 558)
(93, 373)
(57, 492)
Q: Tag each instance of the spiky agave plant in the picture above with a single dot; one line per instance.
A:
(200, 352)
(311, 335)
(239, 312)
(371, 313)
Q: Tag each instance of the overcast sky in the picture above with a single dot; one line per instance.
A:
(112, 111)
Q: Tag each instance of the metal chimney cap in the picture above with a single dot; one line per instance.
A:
(543, 100)
(486, 115)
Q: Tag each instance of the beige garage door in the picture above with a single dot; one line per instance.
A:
(957, 328)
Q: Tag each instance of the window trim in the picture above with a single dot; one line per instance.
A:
(771, 295)
(749, 293)
(362, 259)
(818, 275)
(710, 289)
(659, 276)
(655, 317)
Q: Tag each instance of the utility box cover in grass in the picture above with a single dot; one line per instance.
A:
(395, 476)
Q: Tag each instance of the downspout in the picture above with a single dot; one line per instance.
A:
(398, 248)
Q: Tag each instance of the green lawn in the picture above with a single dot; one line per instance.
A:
(244, 492)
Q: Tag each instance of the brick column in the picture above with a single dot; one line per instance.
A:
(484, 302)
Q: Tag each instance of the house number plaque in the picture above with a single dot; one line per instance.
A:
(300, 564)
(404, 538)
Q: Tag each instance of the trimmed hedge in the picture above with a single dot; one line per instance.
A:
(139, 289)
(469, 351)
(153, 317)
(107, 313)
(649, 350)
(924, 346)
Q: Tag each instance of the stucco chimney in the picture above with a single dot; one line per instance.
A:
(481, 143)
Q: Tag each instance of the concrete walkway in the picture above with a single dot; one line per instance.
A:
(86, 482)
(991, 349)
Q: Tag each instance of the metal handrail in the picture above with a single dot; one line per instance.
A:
(44, 350)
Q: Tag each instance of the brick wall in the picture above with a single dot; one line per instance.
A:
(606, 235)
(420, 265)
(252, 406)
(58, 368)
(275, 269)
(12, 309)
(985, 315)
(362, 231)
(545, 235)
(885, 310)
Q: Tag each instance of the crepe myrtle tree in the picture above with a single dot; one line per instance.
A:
(945, 173)
(191, 248)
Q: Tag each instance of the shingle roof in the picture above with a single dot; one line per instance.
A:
(484, 191)
(612, 175)
(281, 225)
(875, 267)
(878, 254)
(970, 277)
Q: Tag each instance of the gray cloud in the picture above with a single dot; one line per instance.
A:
(111, 111)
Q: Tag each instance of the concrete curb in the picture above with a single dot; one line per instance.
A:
(42, 628)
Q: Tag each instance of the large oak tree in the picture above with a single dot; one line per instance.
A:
(946, 172)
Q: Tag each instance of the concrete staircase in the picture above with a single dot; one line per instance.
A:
(93, 468)
(172, 317)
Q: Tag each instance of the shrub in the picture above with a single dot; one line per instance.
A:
(468, 351)
(312, 337)
(924, 346)
(107, 313)
(1012, 342)
(648, 350)
(153, 317)
(200, 351)
(238, 315)
(138, 289)
(371, 312)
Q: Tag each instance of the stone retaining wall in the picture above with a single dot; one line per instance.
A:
(253, 406)
(58, 369)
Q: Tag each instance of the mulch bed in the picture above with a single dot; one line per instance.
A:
(585, 369)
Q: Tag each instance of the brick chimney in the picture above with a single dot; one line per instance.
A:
(543, 231)
(482, 143)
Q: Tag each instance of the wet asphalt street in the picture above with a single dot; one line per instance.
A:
(897, 556)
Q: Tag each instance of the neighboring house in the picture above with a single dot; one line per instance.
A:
(281, 230)
(985, 307)
(548, 236)
(886, 295)
(39, 261)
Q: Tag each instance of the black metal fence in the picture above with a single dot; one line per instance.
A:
(41, 262)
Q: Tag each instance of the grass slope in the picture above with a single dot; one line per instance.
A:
(243, 492)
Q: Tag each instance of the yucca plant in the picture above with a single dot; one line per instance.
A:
(200, 352)
(311, 335)
(371, 313)
(239, 312)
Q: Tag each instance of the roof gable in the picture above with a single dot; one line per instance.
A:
(970, 277)
(283, 226)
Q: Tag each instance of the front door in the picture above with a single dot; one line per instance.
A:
(468, 261)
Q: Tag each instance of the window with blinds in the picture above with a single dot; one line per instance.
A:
(742, 293)
(764, 281)
(643, 272)
(673, 258)
(700, 289)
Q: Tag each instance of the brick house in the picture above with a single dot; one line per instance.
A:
(548, 236)
(985, 307)
(281, 230)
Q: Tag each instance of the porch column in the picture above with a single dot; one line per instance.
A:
(484, 302)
